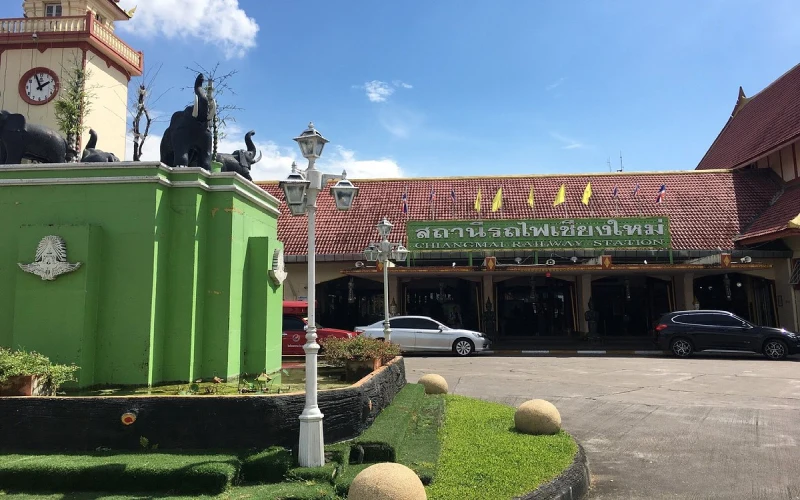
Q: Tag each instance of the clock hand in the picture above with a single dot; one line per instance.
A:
(38, 81)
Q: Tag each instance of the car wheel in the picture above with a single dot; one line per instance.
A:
(463, 347)
(775, 349)
(681, 348)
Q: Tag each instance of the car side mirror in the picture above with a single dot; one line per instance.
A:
(441, 328)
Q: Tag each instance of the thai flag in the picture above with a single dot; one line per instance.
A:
(405, 203)
(433, 195)
(453, 194)
(635, 191)
(662, 192)
(615, 192)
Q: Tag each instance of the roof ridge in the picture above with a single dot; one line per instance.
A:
(527, 176)
(785, 73)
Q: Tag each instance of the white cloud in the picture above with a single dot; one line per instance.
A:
(220, 23)
(379, 91)
(555, 84)
(568, 143)
(276, 161)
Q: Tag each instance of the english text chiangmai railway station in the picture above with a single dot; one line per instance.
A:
(530, 259)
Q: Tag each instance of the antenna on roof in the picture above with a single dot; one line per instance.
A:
(621, 167)
(609, 164)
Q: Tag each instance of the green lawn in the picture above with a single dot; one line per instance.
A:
(461, 448)
(483, 458)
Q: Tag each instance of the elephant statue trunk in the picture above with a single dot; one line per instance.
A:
(251, 147)
(242, 160)
(187, 141)
(93, 155)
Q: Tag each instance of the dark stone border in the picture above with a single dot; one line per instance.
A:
(572, 484)
(76, 424)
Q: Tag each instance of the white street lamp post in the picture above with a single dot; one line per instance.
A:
(301, 190)
(383, 252)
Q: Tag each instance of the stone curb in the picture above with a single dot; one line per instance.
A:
(572, 484)
(575, 352)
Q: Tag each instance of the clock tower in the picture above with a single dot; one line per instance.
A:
(38, 51)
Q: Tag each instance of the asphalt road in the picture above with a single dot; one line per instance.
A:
(709, 427)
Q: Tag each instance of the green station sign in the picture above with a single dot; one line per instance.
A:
(539, 234)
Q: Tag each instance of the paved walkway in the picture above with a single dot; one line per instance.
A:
(709, 427)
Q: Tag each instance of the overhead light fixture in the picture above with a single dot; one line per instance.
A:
(573, 259)
(746, 259)
(518, 260)
(550, 262)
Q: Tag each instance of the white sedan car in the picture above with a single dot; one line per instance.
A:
(421, 333)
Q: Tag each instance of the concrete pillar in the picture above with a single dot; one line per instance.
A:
(394, 294)
(684, 292)
(584, 294)
(785, 296)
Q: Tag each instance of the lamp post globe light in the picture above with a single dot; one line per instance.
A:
(384, 252)
(301, 190)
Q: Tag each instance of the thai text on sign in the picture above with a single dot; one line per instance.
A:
(545, 234)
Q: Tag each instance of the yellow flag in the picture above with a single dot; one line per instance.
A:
(497, 203)
(587, 194)
(795, 223)
(478, 201)
(530, 198)
(561, 197)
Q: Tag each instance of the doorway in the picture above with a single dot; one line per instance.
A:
(630, 305)
(451, 301)
(536, 307)
(348, 302)
(749, 297)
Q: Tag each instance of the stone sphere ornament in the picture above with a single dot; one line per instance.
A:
(387, 481)
(537, 416)
(434, 384)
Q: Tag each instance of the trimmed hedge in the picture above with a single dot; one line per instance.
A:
(269, 466)
(185, 474)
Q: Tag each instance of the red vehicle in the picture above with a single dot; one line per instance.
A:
(295, 322)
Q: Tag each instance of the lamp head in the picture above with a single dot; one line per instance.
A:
(384, 227)
(294, 190)
(371, 253)
(311, 142)
(344, 193)
(401, 253)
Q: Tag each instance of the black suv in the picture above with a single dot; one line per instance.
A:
(684, 332)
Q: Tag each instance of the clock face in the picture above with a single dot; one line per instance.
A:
(39, 86)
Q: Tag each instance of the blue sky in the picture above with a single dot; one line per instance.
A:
(457, 87)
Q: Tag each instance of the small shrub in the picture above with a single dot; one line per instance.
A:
(269, 466)
(23, 363)
(340, 351)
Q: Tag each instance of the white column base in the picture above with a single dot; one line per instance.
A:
(312, 451)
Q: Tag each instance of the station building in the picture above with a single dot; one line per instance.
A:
(629, 247)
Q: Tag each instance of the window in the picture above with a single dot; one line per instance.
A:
(293, 323)
(100, 18)
(697, 319)
(401, 323)
(795, 278)
(709, 319)
(52, 10)
(424, 324)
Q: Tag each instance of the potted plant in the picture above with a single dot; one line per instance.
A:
(25, 373)
(359, 355)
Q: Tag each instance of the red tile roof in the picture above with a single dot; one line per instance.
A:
(764, 122)
(774, 222)
(706, 209)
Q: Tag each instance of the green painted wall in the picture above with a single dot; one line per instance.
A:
(174, 284)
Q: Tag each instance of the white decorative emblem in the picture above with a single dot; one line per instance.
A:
(51, 259)
(278, 272)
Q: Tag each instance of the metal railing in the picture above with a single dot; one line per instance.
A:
(68, 25)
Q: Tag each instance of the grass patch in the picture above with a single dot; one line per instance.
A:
(119, 472)
(482, 457)
(269, 466)
(281, 491)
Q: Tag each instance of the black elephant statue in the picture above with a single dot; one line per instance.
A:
(242, 160)
(22, 140)
(93, 155)
(188, 136)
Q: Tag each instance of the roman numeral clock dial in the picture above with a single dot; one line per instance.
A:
(39, 86)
